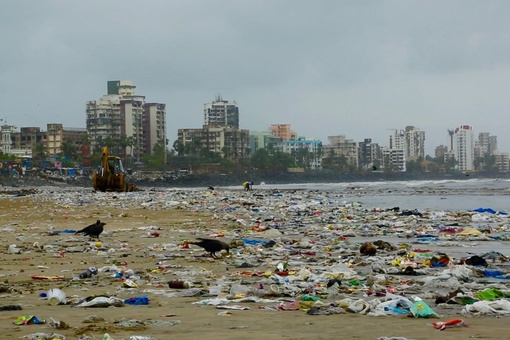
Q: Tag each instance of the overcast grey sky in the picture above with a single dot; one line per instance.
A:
(355, 68)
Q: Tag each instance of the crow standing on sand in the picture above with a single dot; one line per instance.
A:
(93, 230)
(211, 246)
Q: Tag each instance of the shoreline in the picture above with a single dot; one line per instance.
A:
(159, 179)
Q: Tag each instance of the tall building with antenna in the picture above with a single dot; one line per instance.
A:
(221, 113)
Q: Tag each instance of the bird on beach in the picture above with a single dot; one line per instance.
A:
(211, 246)
(368, 248)
(93, 230)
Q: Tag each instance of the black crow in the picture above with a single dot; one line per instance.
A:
(92, 230)
(368, 248)
(211, 246)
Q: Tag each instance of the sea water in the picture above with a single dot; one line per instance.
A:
(439, 195)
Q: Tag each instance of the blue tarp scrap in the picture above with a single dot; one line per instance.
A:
(489, 210)
(249, 241)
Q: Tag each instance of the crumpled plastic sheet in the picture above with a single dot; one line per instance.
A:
(130, 323)
(171, 293)
(488, 307)
(101, 301)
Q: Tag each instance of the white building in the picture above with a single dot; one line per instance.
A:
(463, 147)
(411, 140)
(6, 142)
(502, 162)
(394, 159)
(414, 143)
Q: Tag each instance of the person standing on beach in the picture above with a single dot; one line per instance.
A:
(247, 186)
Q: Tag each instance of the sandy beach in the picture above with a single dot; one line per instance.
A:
(144, 234)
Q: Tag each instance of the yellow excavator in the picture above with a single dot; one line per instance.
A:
(111, 175)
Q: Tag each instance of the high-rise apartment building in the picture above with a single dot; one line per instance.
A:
(369, 155)
(397, 140)
(221, 113)
(220, 133)
(411, 140)
(463, 147)
(414, 143)
(486, 144)
(154, 125)
(394, 156)
(124, 119)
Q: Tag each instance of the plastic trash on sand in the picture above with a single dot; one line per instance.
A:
(238, 289)
(359, 306)
(100, 301)
(13, 249)
(28, 320)
(421, 310)
(488, 307)
(490, 294)
(56, 296)
(138, 300)
(442, 325)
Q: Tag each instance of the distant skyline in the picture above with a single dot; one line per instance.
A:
(352, 68)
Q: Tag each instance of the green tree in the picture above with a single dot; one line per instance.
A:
(489, 162)
(178, 147)
(282, 160)
(156, 160)
(329, 161)
(341, 163)
(261, 159)
(413, 167)
(450, 163)
(303, 158)
(124, 143)
(40, 151)
(68, 150)
(109, 142)
(227, 153)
